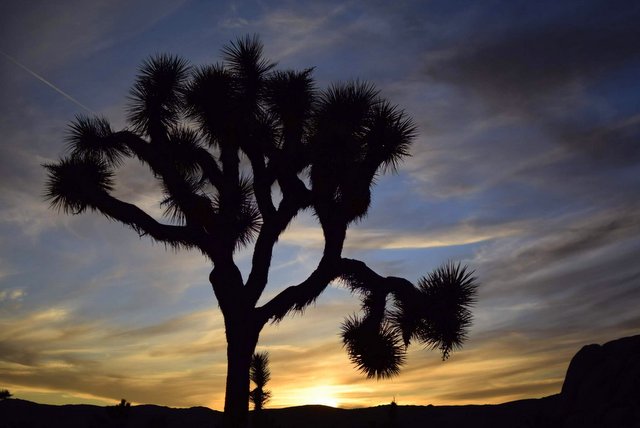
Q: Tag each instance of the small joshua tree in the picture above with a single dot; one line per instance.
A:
(259, 374)
(4, 394)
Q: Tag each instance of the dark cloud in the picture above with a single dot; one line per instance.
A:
(616, 143)
(553, 75)
(516, 65)
(576, 276)
(575, 241)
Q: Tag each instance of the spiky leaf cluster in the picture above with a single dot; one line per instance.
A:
(290, 97)
(211, 101)
(374, 348)
(450, 290)
(93, 137)
(355, 133)
(243, 222)
(73, 182)
(259, 374)
(245, 58)
(155, 99)
(435, 313)
(439, 314)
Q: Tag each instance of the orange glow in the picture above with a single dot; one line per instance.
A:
(325, 395)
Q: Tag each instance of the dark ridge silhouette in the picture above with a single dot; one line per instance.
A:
(4, 394)
(323, 149)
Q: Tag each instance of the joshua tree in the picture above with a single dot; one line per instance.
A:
(259, 374)
(306, 150)
(5, 394)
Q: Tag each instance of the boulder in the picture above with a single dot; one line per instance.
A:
(602, 386)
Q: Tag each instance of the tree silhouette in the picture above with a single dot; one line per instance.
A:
(321, 150)
(259, 374)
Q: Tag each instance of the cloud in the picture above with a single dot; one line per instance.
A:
(531, 100)
(12, 295)
(76, 29)
(613, 144)
(524, 63)
(575, 274)
(380, 239)
(57, 349)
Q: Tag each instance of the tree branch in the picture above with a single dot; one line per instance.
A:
(296, 197)
(131, 215)
(210, 168)
(299, 296)
(197, 209)
(262, 181)
(356, 273)
(270, 232)
(361, 277)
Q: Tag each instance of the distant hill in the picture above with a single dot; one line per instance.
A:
(17, 413)
(601, 389)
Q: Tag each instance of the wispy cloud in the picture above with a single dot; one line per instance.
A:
(363, 239)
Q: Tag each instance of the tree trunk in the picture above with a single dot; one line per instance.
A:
(241, 344)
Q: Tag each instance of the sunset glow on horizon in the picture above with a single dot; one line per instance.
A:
(526, 168)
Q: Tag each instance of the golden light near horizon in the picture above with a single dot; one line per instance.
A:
(325, 395)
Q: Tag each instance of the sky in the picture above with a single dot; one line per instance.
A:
(526, 167)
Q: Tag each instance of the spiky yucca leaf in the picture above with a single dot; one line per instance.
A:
(449, 291)
(248, 225)
(340, 121)
(375, 349)
(340, 178)
(93, 137)
(156, 96)
(354, 194)
(265, 134)
(438, 313)
(407, 318)
(290, 95)
(389, 135)
(210, 99)
(244, 57)
(350, 101)
(186, 150)
(259, 397)
(175, 201)
(73, 181)
(241, 213)
(249, 220)
(259, 372)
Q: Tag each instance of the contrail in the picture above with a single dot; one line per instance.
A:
(46, 82)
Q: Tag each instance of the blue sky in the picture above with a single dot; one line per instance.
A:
(526, 167)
